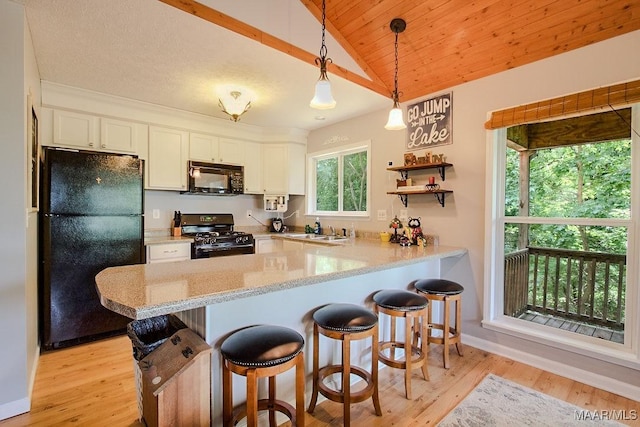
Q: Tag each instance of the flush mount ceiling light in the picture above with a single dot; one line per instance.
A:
(235, 104)
(323, 100)
(395, 121)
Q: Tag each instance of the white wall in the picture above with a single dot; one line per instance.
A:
(18, 228)
(461, 221)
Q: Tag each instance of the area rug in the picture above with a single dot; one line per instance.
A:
(499, 402)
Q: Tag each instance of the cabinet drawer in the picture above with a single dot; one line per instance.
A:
(168, 252)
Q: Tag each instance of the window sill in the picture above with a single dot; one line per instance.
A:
(606, 351)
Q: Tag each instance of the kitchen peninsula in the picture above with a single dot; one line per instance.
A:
(216, 296)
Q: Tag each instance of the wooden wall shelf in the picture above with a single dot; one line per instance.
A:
(404, 170)
(439, 194)
(404, 173)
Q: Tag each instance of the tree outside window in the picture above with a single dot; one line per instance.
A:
(339, 182)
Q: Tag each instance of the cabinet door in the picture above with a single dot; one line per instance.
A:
(118, 136)
(168, 252)
(203, 147)
(275, 168)
(167, 164)
(296, 167)
(288, 245)
(231, 151)
(75, 130)
(253, 168)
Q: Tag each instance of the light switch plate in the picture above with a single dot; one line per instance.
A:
(404, 215)
(156, 214)
(382, 214)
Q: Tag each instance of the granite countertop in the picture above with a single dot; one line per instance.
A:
(146, 290)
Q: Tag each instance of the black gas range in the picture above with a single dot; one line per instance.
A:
(213, 236)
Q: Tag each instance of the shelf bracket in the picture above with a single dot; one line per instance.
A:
(441, 170)
(403, 199)
(404, 174)
(440, 197)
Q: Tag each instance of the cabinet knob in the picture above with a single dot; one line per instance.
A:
(91, 144)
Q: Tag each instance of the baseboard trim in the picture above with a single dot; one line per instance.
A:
(16, 407)
(600, 381)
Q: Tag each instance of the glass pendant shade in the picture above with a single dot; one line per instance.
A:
(395, 121)
(322, 99)
(235, 104)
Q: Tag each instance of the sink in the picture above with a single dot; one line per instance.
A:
(317, 237)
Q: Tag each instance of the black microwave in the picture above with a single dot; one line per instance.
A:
(215, 178)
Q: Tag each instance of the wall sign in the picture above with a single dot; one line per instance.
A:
(430, 122)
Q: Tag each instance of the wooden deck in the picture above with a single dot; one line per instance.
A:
(582, 328)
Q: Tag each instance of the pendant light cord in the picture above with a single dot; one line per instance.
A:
(323, 47)
(395, 79)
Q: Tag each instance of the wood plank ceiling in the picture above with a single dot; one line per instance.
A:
(449, 42)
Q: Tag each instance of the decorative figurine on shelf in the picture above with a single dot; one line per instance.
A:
(416, 230)
(395, 224)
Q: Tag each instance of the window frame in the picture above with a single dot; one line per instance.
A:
(339, 152)
(626, 354)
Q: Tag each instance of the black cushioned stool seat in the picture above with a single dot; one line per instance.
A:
(345, 322)
(413, 308)
(445, 291)
(262, 351)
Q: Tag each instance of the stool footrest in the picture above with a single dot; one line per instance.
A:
(267, 405)
(337, 395)
(400, 363)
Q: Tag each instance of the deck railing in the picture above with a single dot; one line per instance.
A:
(577, 285)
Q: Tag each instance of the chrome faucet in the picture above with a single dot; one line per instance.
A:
(333, 231)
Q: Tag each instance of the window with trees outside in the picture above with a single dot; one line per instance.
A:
(565, 233)
(339, 181)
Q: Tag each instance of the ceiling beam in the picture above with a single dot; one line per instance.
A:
(218, 18)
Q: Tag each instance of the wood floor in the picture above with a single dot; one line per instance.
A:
(93, 385)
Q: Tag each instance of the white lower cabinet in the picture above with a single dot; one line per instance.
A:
(289, 245)
(167, 252)
(167, 159)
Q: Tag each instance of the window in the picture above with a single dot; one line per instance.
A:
(564, 233)
(339, 181)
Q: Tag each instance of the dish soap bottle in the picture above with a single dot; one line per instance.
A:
(317, 229)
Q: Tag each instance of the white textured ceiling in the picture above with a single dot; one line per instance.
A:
(152, 52)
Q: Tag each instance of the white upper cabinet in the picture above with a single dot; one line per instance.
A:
(203, 147)
(231, 151)
(274, 169)
(167, 159)
(75, 130)
(284, 168)
(212, 149)
(118, 135)
(253, 168)
(85, 131)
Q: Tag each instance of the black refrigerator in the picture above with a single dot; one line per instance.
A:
(91, 218)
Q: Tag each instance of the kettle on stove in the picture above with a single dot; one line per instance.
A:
(277, 226)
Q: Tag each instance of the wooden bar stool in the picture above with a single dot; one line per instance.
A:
(444, 291)
(258, 352)
(413, 308)
(345, 322)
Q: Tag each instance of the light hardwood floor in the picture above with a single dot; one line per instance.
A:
(93, 385)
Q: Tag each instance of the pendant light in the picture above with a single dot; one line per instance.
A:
(323, 100)
(395, 121)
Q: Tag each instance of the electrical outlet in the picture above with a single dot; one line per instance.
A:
(156, 214)
(404, 215)
(249, 214)
(382, 214)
